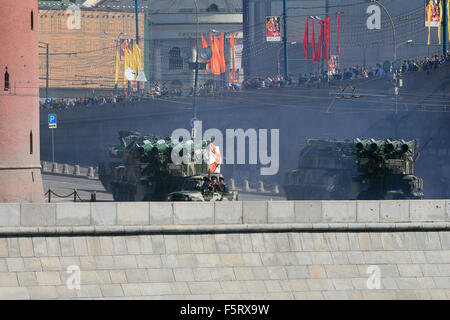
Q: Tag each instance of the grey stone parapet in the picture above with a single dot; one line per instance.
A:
(120, 230)
(223, 213)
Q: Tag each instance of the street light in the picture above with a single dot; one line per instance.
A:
(278, 56)
(194, 107)
(394, 35)
(394, 75)
(408, 42)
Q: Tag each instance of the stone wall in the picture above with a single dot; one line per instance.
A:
(241, 250)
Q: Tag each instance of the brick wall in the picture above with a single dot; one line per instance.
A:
(94, 65)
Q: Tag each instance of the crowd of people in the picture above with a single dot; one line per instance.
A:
(351, 73)
(217, 87)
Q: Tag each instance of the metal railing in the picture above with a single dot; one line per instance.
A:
(75, 195)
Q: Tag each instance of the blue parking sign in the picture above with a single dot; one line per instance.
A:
(51, 118)
(52, 121)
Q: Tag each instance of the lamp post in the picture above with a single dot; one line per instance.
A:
(194, 107)
(395, 74)
(285, 39)
(136, 6)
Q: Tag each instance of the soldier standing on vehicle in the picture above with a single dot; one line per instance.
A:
(214, 183)
(222, 187)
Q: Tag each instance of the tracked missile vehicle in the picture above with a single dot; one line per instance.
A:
(355, 170)
(148, 173)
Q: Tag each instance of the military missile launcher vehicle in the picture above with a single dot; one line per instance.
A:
(147, 172)
(355, 170)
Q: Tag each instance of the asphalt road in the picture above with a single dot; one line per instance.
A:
(64, 186)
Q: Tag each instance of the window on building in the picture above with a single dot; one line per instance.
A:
(213, 8)
(175, 60)
(31, 141)
(6, 80)
(32, 20)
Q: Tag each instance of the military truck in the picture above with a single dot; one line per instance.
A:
(147, 172)
(194, 189)
(355, 170)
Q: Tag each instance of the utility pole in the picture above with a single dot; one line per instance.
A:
(46, 71)
(327, 4)
(285, 39)
(46, 67)
(194, 107)
(136, 5)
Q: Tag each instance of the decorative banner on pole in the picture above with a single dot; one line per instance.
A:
(208, 62)
(222, 53)
(215, 60)
(440, 21)
(448, 19)
(319, 44)
(436, 8)
(273, 33)
(313, 44)
(125, 44)
(305, 40)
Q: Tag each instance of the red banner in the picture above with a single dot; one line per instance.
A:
(313, 43)
(305, 40)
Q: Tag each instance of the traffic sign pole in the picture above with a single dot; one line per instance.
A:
(52, 126)
(53, 145)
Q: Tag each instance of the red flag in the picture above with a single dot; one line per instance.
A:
(215, 60)
(326, 38)
(313, 43)
(232, 52)
(319, 44)
(329, 38)
(305, 39)
(338, 40)
(222, 53)
(205, 45)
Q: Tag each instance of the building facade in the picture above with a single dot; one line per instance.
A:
(82, 46)
(359, 44)
(173, 28)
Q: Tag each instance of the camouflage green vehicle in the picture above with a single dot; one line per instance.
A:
(147, 172)
(355, 170)
(194, 190)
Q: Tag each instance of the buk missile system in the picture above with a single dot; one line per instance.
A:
(147, 172)
(355, 170)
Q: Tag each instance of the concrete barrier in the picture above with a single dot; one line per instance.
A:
(246, 212)
(65, 169)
